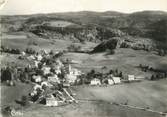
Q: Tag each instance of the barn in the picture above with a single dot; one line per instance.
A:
(95, 81)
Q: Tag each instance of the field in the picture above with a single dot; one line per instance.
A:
(154, 94)
(125, 60)
(154, 98)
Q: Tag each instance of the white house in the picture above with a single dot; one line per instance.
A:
(131, 77)
(54, 79)
(23, 53)
(95, 81)
(46, 70)
(51, 101)
(110, 82)
(71, 78)
(36, 63)
(116, 80)
(39, 57)
(57, 71)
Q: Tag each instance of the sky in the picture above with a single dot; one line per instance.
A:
(15, 7)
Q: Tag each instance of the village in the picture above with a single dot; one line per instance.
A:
(52, 78)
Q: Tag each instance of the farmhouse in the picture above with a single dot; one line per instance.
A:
(131, 77)
(95, 81)
(51, 101)
(110, 81)
(116, 80)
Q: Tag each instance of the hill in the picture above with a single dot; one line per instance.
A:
(142, 24)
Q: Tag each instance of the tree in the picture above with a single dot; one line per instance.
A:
(111, 71)
(120, 74)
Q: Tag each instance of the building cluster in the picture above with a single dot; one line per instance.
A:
(50, 76)
(52, 80)
(113, 80)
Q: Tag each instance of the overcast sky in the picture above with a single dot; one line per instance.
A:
(49, 6)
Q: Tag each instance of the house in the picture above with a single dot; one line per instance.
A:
(51, 100)
(95, 81)
(57, 71)
(54, 79)
(116, 80)
(36, 78)
(23, 53)
(39, 57)
(36, 63)
(70, 78)
(110, 81)
(131, 77)
(46, 70)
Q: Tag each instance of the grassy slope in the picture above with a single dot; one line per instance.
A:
(125, 60)
(144, 94)
(21, 41)
(91, 109)
(10, 94)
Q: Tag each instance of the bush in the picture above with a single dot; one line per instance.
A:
(124, 45)
(30, 51)
(9, 50)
